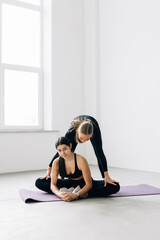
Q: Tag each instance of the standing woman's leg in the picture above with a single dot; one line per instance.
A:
(99, 190)
(96, 141)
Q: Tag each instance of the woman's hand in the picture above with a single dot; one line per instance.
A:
(108, 179)
(47, 173)
(68, 196)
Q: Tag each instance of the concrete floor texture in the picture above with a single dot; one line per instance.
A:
(120, 218)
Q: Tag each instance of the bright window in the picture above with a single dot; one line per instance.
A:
(20, 36)
(21, 64)
(21, 98)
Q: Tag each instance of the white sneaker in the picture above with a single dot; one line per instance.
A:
(64, 189)
(77, 189)
(72, 189)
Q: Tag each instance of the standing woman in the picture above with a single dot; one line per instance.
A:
(82, 129)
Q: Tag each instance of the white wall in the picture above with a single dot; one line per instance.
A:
(26, 151)
(91, 67)
(68, 64)
(75, 64)
(91, 60)
(130, 83)
(68, 61)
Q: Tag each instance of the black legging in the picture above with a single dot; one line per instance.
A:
(98, 189)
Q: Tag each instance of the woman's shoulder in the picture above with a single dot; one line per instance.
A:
(80, 159)
(56, 162)
(55, 166)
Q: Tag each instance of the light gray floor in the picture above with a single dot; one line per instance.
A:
(126, 218)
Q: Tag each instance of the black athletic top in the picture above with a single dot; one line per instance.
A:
(96, 142)
(77, 173)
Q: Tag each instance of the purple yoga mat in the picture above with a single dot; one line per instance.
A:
(137, 190)
(125, 191)
(38, 196)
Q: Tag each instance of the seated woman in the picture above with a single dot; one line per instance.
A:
(74, 171)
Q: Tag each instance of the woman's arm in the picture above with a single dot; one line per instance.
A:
(54, 177)
(83, 166)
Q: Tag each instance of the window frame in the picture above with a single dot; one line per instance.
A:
(38, 70)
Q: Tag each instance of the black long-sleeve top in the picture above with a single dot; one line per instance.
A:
(96, 141)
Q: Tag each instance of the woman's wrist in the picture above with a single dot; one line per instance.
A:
(77, 195)
(106, 174)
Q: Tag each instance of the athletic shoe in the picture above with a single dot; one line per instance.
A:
(66, 190)
(77, 189)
